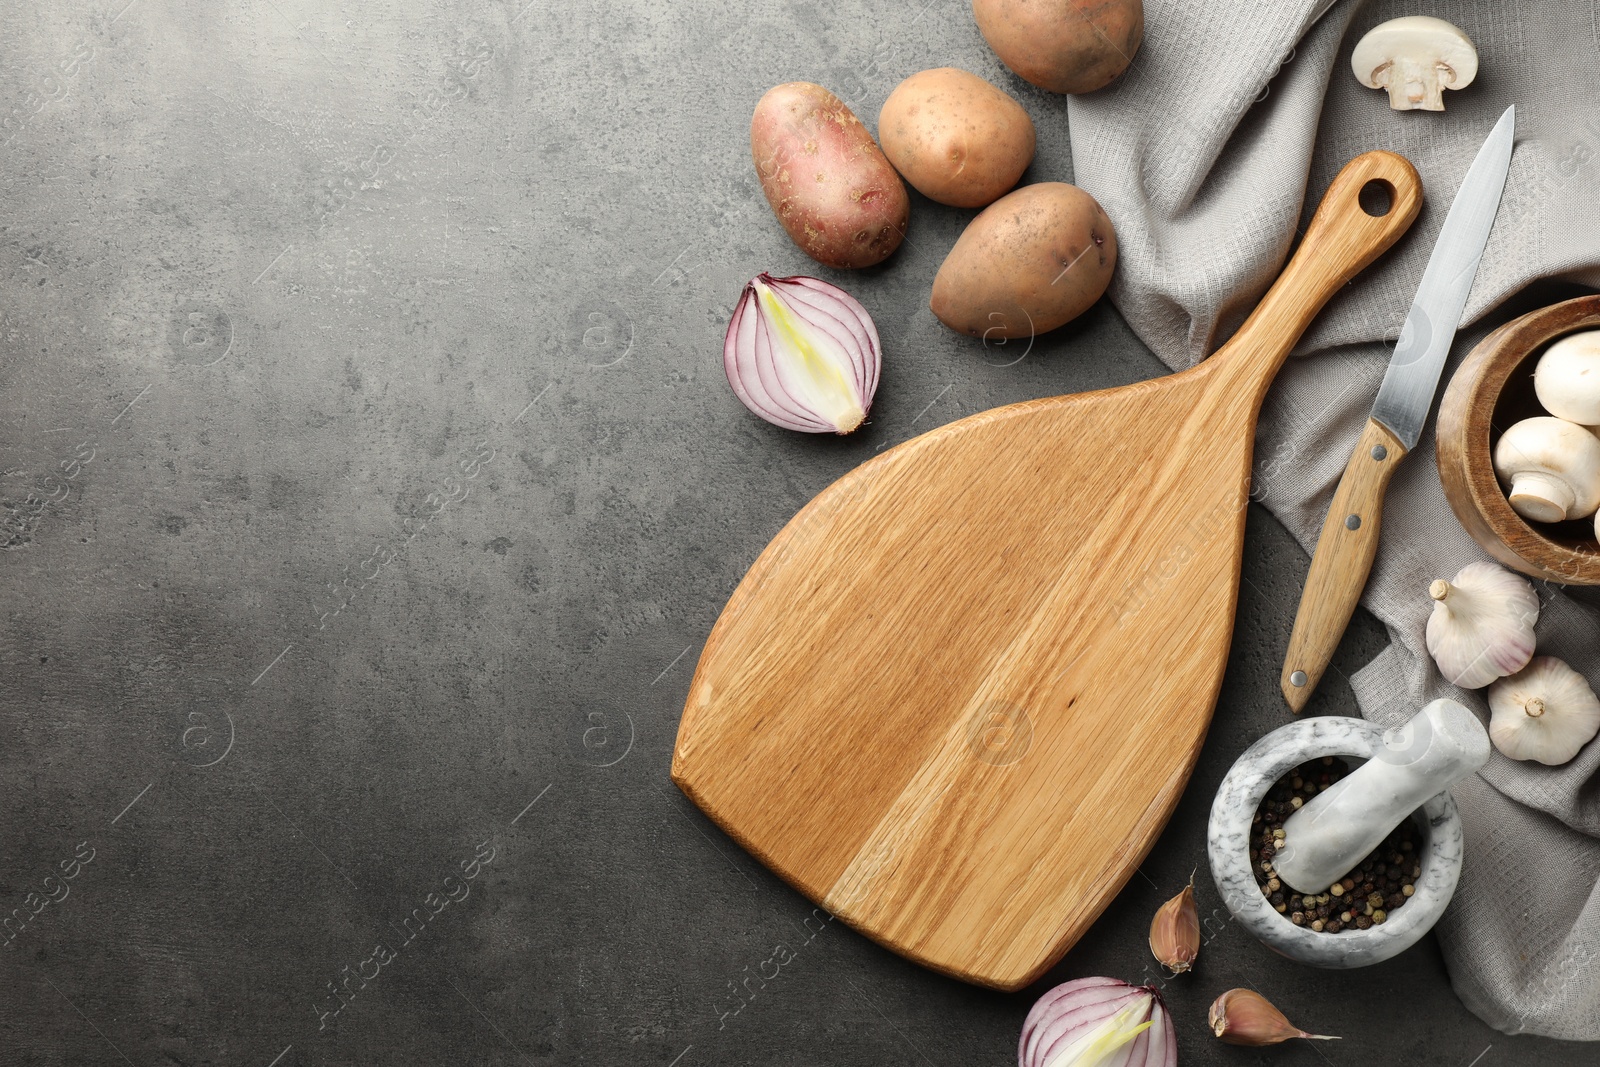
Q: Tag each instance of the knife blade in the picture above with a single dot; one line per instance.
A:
(1349, 538)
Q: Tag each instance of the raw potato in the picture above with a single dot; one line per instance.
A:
(1031, 261)
(1065, 46)
(825, 177)
(956, 138)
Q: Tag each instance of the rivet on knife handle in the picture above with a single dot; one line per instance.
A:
(1343, 559)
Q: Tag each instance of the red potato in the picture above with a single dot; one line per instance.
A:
(1033, 260)
(956, 138)
(1065, 46)
(825, 177)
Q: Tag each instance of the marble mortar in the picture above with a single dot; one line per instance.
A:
(1228, 843)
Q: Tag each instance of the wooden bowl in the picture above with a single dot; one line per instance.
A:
(1492, 390)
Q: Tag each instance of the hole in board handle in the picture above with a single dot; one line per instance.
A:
(1377, 197)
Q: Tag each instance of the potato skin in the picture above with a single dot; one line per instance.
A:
(1033, 260)
(1065, 46)
(955, 137)
(825, 177)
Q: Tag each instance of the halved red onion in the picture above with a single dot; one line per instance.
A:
(802, 354)
(1098, 1022)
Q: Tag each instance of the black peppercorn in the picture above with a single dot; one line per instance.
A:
(1360, 900)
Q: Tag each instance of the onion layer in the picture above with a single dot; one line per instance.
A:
(802, 354)
(1098, 1022)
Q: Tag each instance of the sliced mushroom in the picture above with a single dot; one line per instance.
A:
(1552, 468)
(1416, 58)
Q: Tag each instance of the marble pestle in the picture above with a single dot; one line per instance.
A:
(1442, 744)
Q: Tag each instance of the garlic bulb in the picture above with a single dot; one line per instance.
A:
(1544, 712)
(803, 354)
(1482, 625)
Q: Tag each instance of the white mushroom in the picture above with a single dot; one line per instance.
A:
(1568, 378)
(1552, 469)
(1416, 58)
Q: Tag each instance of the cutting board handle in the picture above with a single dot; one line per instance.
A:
(1342, 239)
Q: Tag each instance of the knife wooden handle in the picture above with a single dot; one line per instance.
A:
(1343, 559)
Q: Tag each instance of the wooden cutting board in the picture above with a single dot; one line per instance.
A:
(957, 697)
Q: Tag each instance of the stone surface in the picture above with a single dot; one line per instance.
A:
(370, 484)
(1228, 847)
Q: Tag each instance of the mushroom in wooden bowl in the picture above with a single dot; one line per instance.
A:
(1492, 393)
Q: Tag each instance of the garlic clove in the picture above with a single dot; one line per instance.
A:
(1175, 932)
(1245, 1017)
(802, 354)
(1545, 712)
(1551, 468)
(1482, 625)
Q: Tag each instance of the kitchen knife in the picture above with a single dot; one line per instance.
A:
(1349, 538)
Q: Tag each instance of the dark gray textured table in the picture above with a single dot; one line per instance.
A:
(370, 485)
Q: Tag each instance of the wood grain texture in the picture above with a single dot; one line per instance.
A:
(1343, 560)
(957, 697)
(1492, 389)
